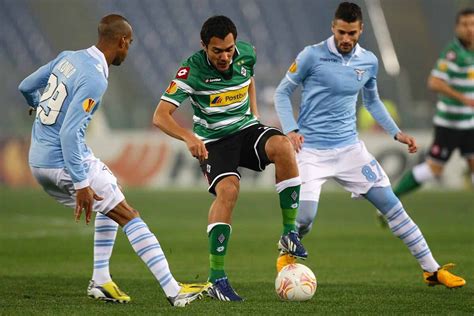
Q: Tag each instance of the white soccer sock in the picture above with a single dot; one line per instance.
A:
(282, 185)
(104, 239)
(148, 248)
(423, 173)
(404, 228)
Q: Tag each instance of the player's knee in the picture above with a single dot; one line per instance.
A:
(228, 189)
(435, 168)
(278, 146)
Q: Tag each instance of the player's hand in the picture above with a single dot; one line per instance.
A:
(409, 140)
(85, 201)
(296, 139)
(196, 147)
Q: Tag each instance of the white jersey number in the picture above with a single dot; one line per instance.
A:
(51, 101)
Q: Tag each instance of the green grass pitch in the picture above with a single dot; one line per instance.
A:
(46, 258)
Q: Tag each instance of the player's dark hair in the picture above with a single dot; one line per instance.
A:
(464, 12)
(113, 26)
(219, 26)
(348, 12)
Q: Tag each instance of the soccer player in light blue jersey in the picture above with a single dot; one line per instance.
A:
(325, 137)
(65, 93)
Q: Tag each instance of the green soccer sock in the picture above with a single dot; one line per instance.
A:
(406, 184)
(289, 202)
(218, 239)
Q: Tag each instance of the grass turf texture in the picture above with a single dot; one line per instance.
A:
(46, 258)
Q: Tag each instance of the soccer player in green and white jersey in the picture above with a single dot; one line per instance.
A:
(227, 134)
(453, 79)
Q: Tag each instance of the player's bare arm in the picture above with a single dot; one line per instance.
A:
(409, 140)
(163, 119)
(253, 98)
(441, 86)
(85, 198)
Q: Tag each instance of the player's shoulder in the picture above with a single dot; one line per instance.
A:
(452, 50)
(311, 52)
(367, 55)
(245, 48)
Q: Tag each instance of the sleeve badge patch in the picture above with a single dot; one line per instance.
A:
(293, 67)
(172, 88)
(451, 55)
(183, 73)
(443, 66)
(88, 105)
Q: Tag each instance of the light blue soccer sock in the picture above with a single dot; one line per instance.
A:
(306, 214)
(403, 226)
(148, 248)
(104, 239)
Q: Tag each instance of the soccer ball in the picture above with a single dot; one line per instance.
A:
(295, 282)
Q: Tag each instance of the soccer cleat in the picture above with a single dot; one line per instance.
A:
(222, 290)
(189, 293)
(443, 277)
(283, 260)
(291, 244)
(108, 292)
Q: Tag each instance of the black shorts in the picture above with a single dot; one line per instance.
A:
(446, 140)
(245, 148)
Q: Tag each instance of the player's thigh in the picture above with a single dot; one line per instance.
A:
(315, 168)
(446, 140)
(222, 161)
(467, 147)
(104, 184)
(358, 170)
(57, 183)
(253, 155)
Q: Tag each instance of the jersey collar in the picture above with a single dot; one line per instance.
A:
(331, 44)
(97, 54)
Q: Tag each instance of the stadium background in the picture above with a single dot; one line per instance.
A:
(167, 31)
(45, 257)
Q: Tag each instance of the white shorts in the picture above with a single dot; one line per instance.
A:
(58, 183)
(353, 167)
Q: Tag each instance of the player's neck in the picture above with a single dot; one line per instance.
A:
(108, 54)
(467, 45)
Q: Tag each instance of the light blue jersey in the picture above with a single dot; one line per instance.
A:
(331, 83)
(73, 85)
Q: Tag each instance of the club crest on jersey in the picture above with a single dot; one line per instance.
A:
(229, 97)
(182, 73)
(243, 71)
(88, 105)
(172, 88)
(360, 73)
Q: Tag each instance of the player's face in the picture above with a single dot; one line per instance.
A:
(346, 35)
(122, 51)
(220, 51)
(465, 29)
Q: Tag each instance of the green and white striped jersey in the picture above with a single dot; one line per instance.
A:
(220, 101)
(456, 67)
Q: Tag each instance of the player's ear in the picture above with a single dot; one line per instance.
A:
(122, 42)
(361, 27)
(203, 45)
